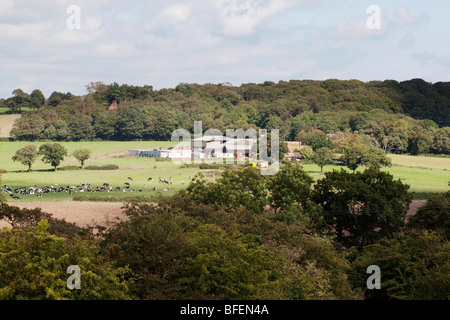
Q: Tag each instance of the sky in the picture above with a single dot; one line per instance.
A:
(63, 45)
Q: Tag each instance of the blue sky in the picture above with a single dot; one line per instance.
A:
(164, 43)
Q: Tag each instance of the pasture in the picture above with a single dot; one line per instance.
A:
(423, 174)
(139, 169)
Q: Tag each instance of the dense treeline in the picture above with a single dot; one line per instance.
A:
(243, 236)
(406, 117)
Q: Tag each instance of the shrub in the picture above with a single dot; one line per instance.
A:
(104, 167)
(69, 168)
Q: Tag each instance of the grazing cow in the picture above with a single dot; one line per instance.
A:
(149, 179)
(129, 178)
(154, 188)
(106, 184)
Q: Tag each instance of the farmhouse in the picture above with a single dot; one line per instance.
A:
(235, 148)
(204, 147)
(161, 153)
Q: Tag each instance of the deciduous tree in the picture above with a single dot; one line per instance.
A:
(52, 153)
(322, 157)
(82, 155)
(364, 207)
(26, 156)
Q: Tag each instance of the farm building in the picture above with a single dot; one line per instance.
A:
(159, 153)
(207, 142)
(204, 147)
(235, 147)
(223, 147)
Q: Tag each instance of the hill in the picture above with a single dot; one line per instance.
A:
(411, 116)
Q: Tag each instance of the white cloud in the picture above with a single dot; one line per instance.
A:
(405, 18)
(240, 18)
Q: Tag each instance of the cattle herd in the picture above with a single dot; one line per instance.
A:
(83, 187)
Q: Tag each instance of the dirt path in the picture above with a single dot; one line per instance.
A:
(81, 213)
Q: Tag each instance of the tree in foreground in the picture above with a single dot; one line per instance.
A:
(26, 156)
(52, 153)
(362, 208)
(184, 249)
(414, 266)
(246, 187)
(322, 157)
(82, 155)
(434, 215)
(34, 266)
(290, 186)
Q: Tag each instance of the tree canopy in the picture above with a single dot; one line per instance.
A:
(52, 153)
(410, 116)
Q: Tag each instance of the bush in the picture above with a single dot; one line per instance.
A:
(95, 198)
(69, 168)
(104, 167)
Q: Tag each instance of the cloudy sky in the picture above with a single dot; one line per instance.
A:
(62, 45)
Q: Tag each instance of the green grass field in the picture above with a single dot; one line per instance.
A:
(139, 169)
(423, 174)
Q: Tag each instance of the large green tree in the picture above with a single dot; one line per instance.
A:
(322, 157)
(375, 158)
(317, 140)
(290, 186)
(34, 266)
(413, 266)
(52, 153)
(37, 99)
(245, 187)
(26, 156)
(364, 207)
(434, 215)
(352, 156)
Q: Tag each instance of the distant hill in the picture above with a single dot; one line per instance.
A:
(410, 116)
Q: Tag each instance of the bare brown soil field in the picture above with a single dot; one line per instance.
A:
(6, 124)
(100, 213)
(81, 213)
